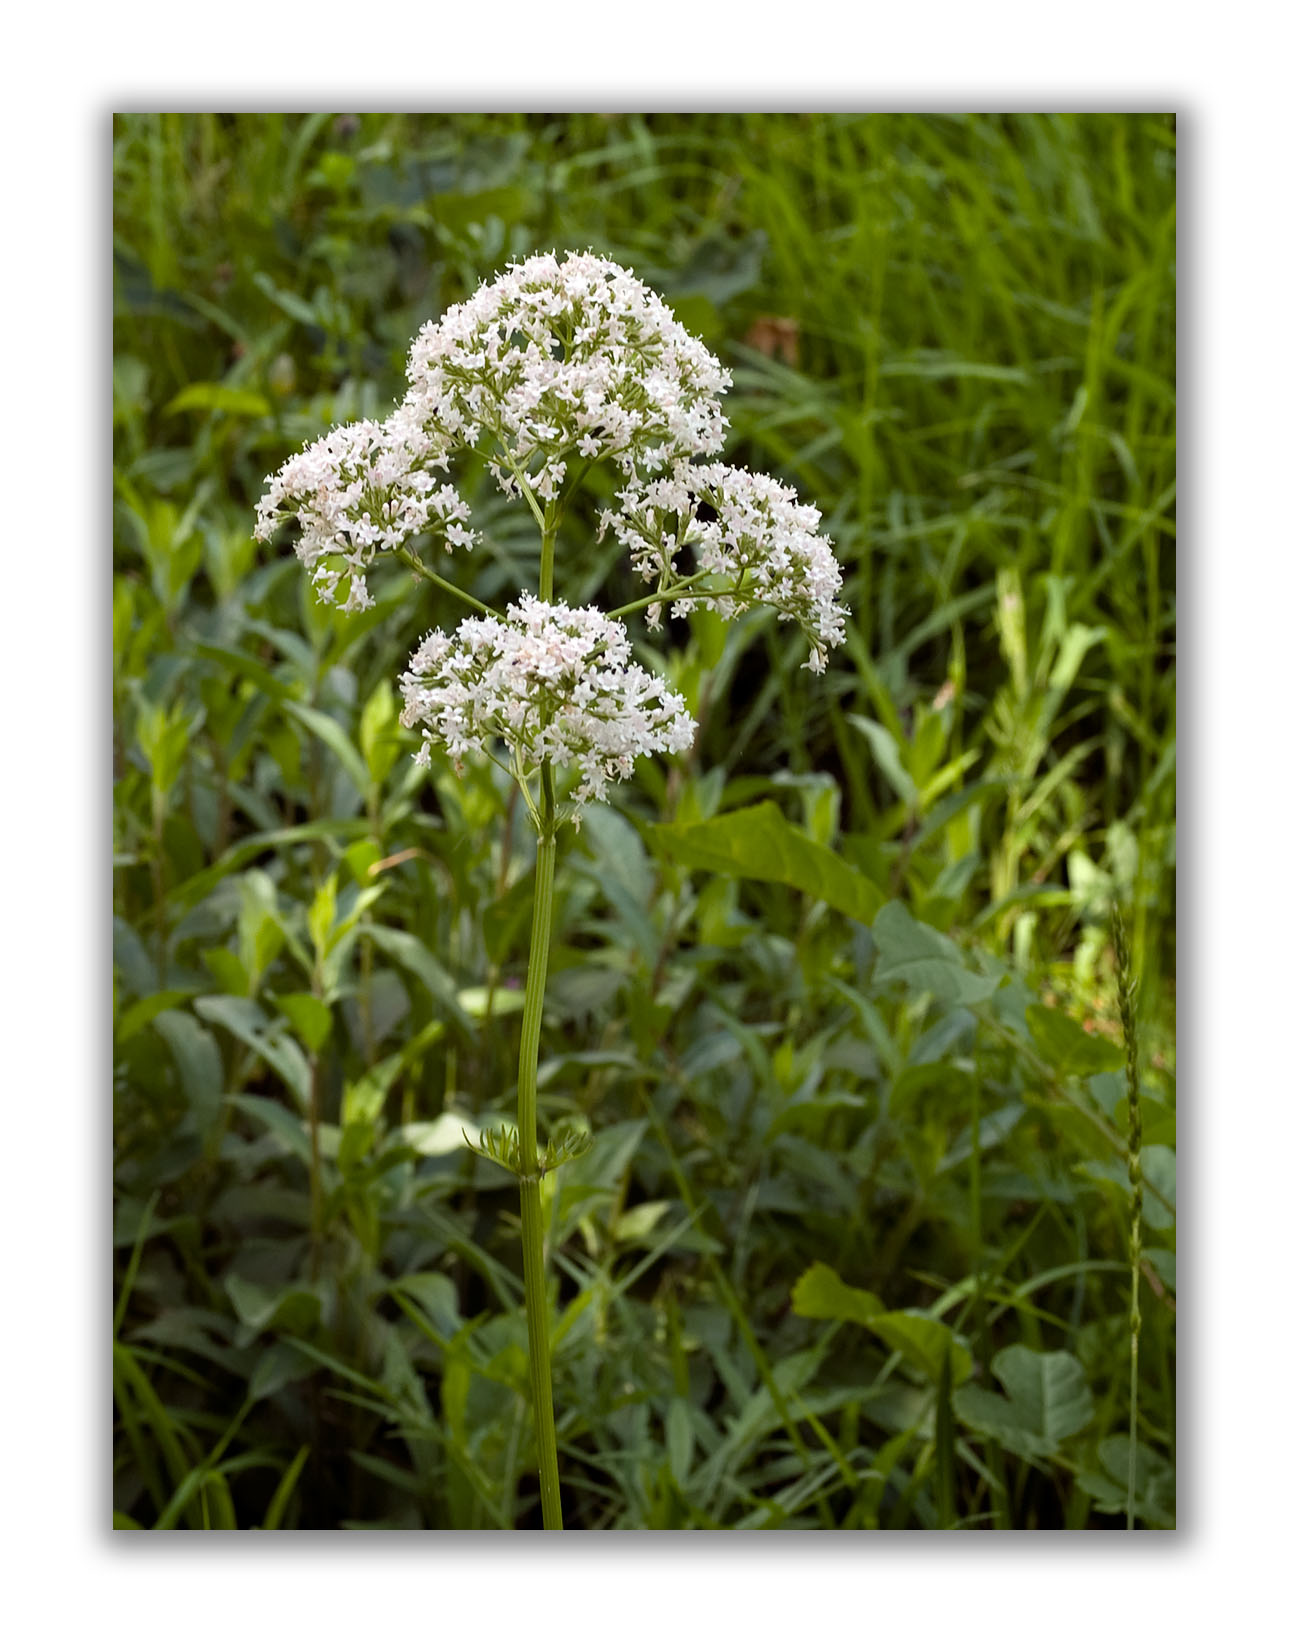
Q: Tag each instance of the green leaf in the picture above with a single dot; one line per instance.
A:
(886, 755)
(280, 1365)
(436, 1137)
(291, 1307)
(332, 736)
(924, 959)
(280, 1120)
(286, 1485)
(504, 1002)
(308, 1016)
(1159, 1167)
(821, 1294)
(1109, 1488)
(218, 396)
(1047, 1401)
(757, 843)
(406, 950)
(925, 1342)
(246, 1021)
(679, 1430)
(198, 1061)
(1064, 1044)
(378, 732)
(143, 1011)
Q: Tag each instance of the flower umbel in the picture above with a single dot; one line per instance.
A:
(550, 682)
(361, 490)
(761, 547)
(561, 361)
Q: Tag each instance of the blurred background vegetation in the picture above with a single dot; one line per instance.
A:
(850, 1247)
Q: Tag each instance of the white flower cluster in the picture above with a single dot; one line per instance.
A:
(558, 360)
(551, 683)
(761, 546)
(361, 490)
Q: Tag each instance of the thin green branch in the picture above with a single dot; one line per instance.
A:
(413, 563)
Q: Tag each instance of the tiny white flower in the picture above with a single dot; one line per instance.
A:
(553, 357)
(362, 490)
(762, 546)
(550, 682)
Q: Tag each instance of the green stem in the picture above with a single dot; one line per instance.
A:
(678, 590)
(530, 1178)
(414, 563)
(546, 582)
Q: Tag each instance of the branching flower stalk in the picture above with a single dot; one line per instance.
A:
(1125, 991)
(550, 367)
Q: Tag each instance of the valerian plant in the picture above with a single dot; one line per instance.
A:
(549, 369)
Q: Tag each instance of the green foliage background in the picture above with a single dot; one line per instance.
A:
(835, 995)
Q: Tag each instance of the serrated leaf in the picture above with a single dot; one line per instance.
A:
(1047, 1401)
(757, 843)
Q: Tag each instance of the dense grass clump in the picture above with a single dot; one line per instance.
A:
(836, 993)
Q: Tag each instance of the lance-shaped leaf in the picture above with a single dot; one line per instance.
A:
(757, 843)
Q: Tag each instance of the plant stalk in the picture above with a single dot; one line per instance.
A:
(531, 1232)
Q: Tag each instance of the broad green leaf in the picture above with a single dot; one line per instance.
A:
(1109, 1488)
(924, 1342)
(1047, 1401)
(308, 1016)
(1064, 1044)
(757, 843)
(821, 1294)
(924, 959)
